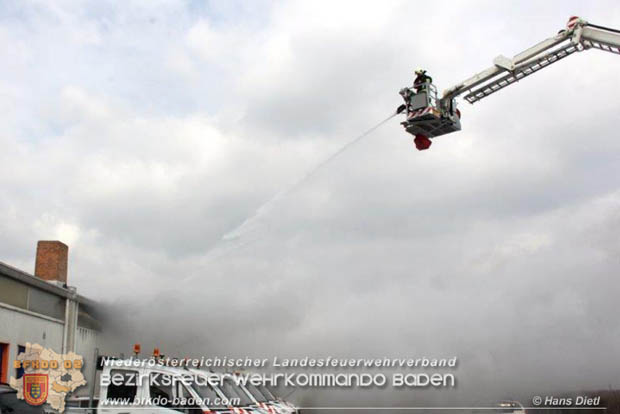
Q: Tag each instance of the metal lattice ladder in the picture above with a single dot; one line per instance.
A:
(601, 46)
(523, 71)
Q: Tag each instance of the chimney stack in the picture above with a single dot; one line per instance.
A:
(51, 262)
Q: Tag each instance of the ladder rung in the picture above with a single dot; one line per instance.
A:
(601, 46)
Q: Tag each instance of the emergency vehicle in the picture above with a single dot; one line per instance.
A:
(429, 116)
(128, 389)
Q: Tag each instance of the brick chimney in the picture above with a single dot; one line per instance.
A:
(51, 263)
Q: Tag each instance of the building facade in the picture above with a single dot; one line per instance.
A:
(43, 309)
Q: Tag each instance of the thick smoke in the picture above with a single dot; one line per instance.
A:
(522, 298)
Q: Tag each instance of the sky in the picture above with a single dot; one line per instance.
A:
(144, 133)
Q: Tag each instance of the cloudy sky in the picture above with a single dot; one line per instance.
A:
(141, 133)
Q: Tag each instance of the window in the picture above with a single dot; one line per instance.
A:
(127, 390)
(233, 391)
(160, 389)
(206, 392)
(258, 396)
(267, 393)
(188, 403)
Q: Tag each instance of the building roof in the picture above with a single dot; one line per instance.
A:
(34, 281)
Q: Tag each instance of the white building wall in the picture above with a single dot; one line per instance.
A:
(85, 344)
(18, 326)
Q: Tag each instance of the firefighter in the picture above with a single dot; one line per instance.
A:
(420, 81)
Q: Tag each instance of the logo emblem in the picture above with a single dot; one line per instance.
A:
(35, 388)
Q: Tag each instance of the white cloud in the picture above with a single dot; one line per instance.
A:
(141, 134)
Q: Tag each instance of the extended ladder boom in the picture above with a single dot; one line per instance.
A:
(579, 35)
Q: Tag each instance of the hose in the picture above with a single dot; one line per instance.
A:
(268, 205)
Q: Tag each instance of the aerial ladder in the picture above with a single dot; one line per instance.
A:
(430, 116)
